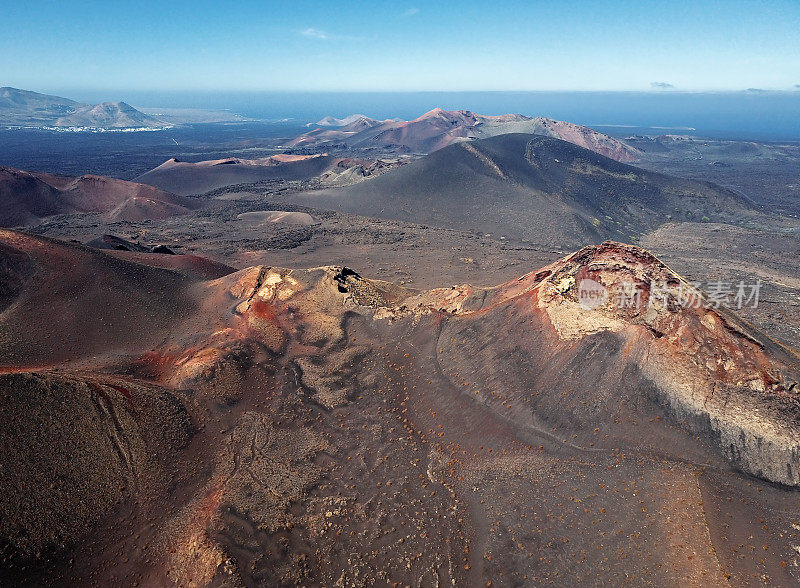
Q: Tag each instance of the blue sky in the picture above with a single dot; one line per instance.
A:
(397, 46)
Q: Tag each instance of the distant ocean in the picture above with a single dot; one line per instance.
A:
(755, 114)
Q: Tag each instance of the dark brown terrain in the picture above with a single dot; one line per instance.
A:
(348, 370)
(765, 171)
(538, 189)
(317, 426)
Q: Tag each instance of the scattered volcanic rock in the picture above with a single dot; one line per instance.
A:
(277, 216)
(356, 430)
(116, 243)
(74, 448)
(438, 128)
(535, 188)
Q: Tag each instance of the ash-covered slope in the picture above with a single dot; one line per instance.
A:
(27, 197)
(579, 135)
(187, 178)
(197, 178)
(74, 447)
(536, 188)
(24, 198)
(69, 302)
(354, 431)
(438, 128)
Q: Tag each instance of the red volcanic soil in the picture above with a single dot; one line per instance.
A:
(72, 303)
(27, 197)
(24, 198)
(586, 138)
(352, 431)
(195, 266)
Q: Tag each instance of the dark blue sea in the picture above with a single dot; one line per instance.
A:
(753, 114)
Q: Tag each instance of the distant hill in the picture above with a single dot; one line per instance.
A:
(108, 115)
(535, 188)
(438, 128)
(330, 121)
(22, 107)
(31, 109)
(186, 178)
(12, 99)
(27, 197)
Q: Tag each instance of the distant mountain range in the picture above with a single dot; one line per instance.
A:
(24, 108)
(439, 128)
(330, 121)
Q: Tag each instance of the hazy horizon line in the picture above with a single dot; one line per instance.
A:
(653, 91)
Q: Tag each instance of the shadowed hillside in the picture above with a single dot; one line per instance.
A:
(535, 188)
(27, 197)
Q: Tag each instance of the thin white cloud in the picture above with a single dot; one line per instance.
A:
(315, 34)
(411, 11)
